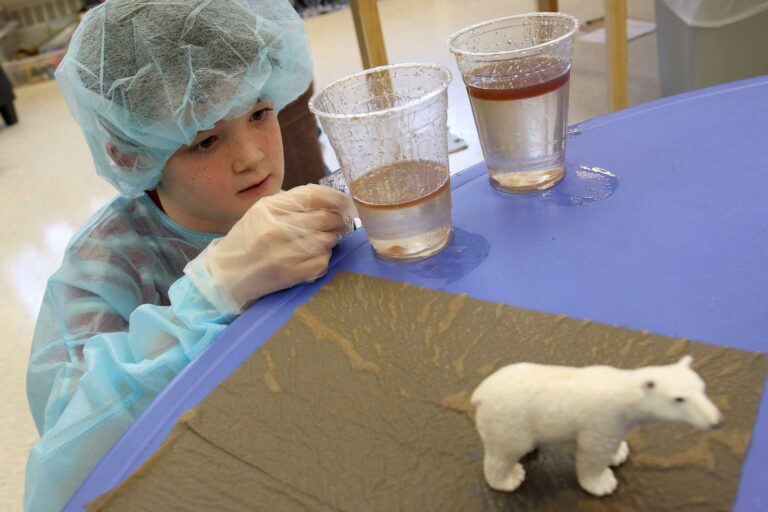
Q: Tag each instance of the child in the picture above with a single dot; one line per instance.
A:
(177, 98)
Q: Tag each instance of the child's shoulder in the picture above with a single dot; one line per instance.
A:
(117, 225)
(115, 242)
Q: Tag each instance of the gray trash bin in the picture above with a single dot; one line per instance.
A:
(707, 42)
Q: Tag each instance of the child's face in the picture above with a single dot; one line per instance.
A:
(209, 185)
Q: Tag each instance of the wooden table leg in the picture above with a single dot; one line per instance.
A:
(616, 46)
(370, 39)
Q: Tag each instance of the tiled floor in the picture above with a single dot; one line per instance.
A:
(48, 186)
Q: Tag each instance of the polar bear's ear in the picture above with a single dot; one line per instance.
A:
(685, 361)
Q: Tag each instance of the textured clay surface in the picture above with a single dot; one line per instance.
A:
(361, 402)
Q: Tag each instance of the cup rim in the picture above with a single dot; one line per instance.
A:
(464, 53)
(376, 113)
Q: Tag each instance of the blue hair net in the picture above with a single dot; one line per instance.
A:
(148, 75)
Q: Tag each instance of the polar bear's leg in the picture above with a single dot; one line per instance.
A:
(601, 483)
(505, 442)
(502, 470)
(593, 455)
(621, 454)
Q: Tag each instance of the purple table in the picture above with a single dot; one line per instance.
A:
(676, 244)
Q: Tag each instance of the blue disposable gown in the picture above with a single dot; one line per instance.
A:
(118, 322)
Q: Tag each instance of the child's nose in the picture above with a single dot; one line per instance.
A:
(246, 155)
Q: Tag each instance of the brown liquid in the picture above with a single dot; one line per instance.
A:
(518, 80)
(405, 208)
(404, 204)
(400, 185)
(521, 92)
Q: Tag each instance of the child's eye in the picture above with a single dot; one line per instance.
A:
(204, 144)
(261, 114)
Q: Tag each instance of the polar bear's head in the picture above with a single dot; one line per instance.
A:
(677, 393)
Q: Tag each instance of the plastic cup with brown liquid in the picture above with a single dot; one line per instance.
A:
(388, 128)
(517, 70)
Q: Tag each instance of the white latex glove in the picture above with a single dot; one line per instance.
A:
(281, 241)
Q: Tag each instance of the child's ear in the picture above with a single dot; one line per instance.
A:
(120, 158)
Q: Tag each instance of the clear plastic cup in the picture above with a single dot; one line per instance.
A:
(388, 127)
(517, 70)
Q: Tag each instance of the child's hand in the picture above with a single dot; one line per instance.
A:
(281, 241)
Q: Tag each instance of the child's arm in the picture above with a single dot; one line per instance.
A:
(105, 355)
(95, 397)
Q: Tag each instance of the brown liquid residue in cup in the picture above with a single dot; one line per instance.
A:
(518, 80)
(400, 185)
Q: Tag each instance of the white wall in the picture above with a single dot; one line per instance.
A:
(589, 9)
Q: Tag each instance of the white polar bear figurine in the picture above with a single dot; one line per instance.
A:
(523, 405)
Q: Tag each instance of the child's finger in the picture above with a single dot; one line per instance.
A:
(318, 197)
(324, 221)
(314, 267)
(327, 240)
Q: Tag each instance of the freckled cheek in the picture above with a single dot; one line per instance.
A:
(205, 182)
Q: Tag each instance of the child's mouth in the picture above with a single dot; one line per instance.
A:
(255, 188)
